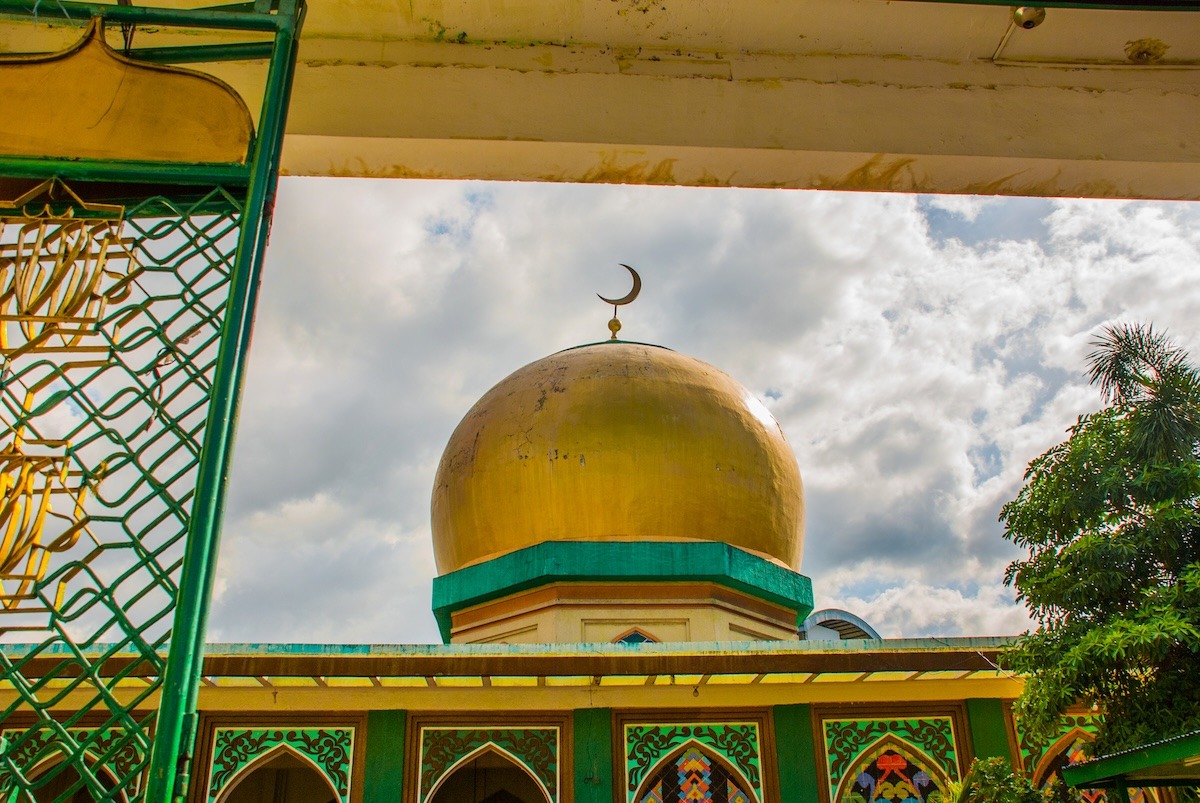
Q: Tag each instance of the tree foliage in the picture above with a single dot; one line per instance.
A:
(1111, 519)
(992, 780)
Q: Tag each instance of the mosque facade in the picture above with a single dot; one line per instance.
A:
(618, 531)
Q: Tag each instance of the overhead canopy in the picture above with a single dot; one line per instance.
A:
(1171, 762)
(1100, 99)
(838, 94)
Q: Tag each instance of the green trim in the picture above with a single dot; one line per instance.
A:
(592, 740)
(796, 754)
(1146, 765)
(383, 781)
(225, 651)
(1096, 5)
(227, 175)
(619, 561)
(989, 729)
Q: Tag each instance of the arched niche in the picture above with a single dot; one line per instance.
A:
(489, 775)
(889, 770)
(1068, 749)
(55, 777)
(690, 770)
(280, 775)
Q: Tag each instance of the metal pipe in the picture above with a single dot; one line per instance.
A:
(81, 13)
(175, 728)
(203, 54)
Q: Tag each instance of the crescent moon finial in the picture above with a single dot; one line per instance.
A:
(614, 325)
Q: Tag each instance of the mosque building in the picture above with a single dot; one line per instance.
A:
(618, 532)
(618, 528)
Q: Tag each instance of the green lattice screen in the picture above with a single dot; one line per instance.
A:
(124, 319)
(104, 410)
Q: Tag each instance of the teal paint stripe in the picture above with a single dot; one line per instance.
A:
(617, 561)
(591, 732)
(989, 730)
(795, 753)
(383, 781)
(1095, 5)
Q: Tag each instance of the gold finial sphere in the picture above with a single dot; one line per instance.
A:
(614, 326)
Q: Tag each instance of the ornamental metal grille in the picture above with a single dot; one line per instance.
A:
(123, 331)
(110, 322)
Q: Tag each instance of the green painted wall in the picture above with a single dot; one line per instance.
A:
(795, 753)
(384, 777)
(593, 745)
(989, 730)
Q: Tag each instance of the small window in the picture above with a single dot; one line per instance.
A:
(635, 636)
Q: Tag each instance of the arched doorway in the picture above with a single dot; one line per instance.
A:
(58, 780)
(280, 777)
(489, 777)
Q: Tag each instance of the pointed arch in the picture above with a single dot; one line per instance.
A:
(657, 779)
(471, 757)
(1067, 749)
(259, 762)
(1056, 752)
(925, 767)
(102, 774)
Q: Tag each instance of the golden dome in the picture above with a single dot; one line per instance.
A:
(616, 441)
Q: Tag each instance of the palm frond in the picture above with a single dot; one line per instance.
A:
(1140, 370)
(1128, 359)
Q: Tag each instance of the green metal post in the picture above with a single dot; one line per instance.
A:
(175, 727)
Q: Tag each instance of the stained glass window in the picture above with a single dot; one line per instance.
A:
(693, 777)
(893, 777)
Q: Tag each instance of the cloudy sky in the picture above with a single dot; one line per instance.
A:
(918, 351)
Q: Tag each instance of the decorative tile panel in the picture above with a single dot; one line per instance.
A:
(886, 759)
(112, 748)
(331, 751)
(737, 743)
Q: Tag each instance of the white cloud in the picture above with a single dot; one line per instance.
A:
(915, 368)
(916, 608)
(967, 207)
